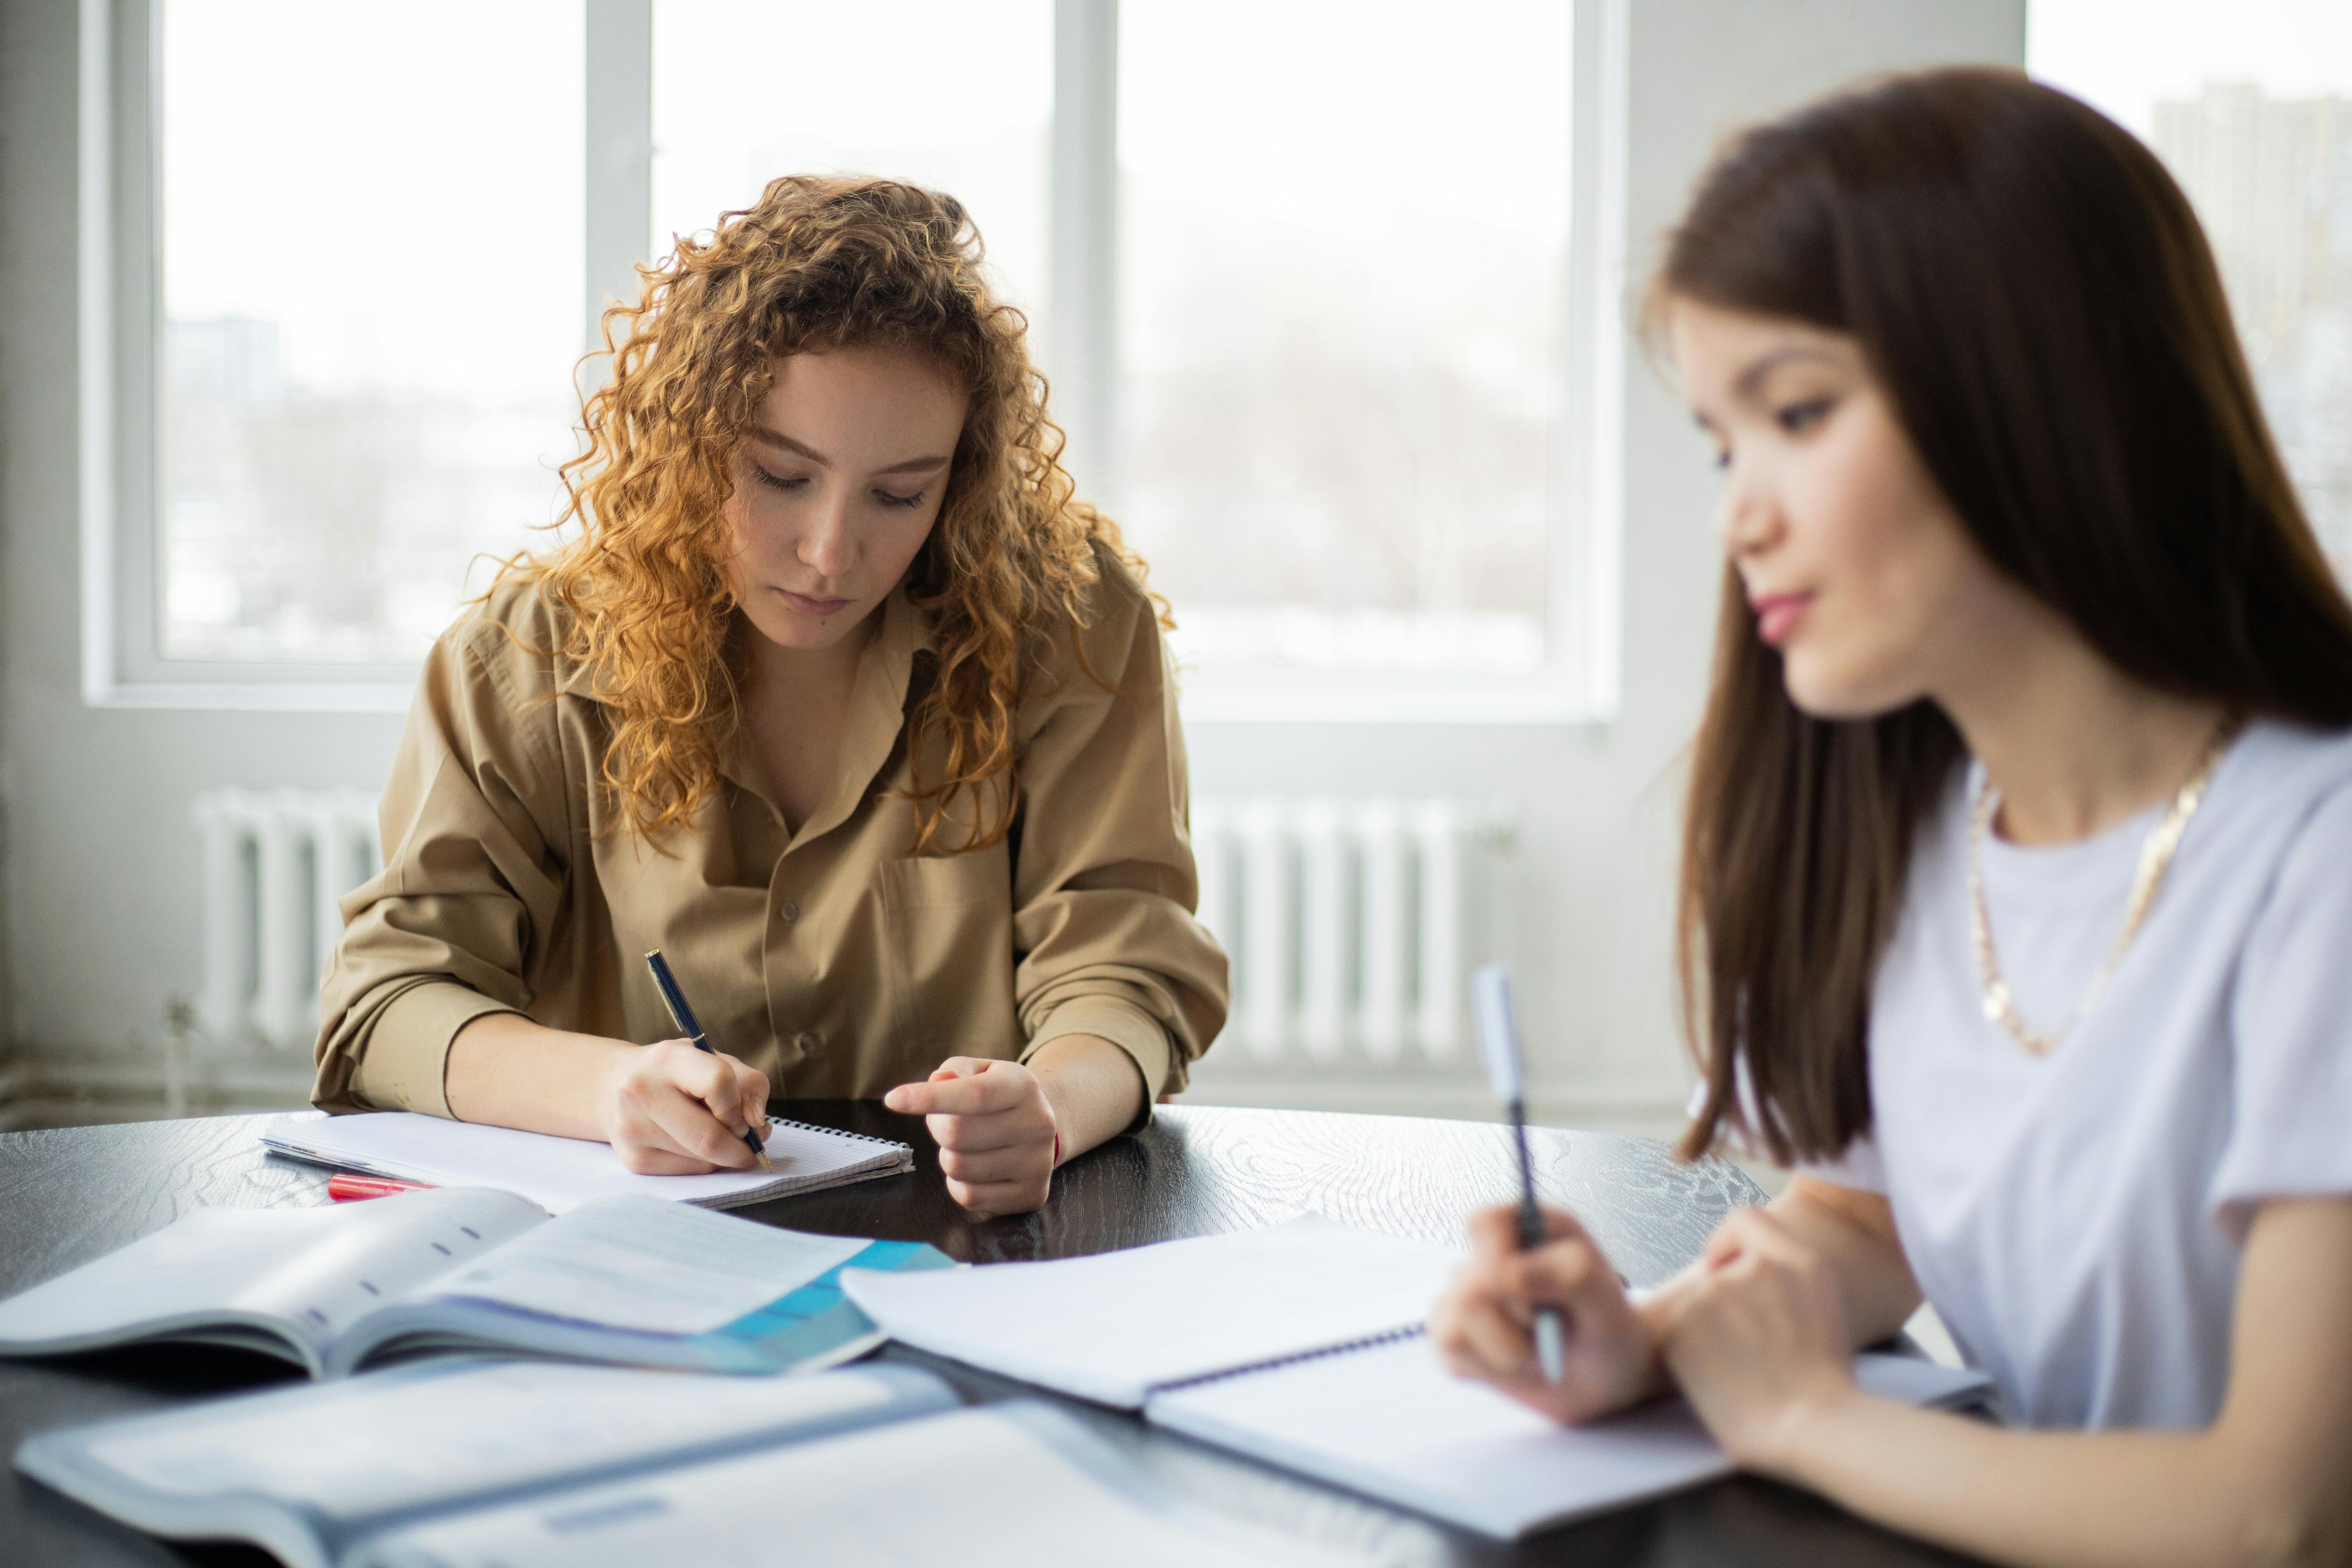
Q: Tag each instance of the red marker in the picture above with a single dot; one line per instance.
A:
(348, 1189)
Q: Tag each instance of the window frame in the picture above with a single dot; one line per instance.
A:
(122, 334)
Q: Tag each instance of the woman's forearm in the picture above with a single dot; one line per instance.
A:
(2055, 1499)
(2264, 1484)
(1095, 1088)
(508, 1071)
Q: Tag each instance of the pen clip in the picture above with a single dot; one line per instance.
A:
(672, 998)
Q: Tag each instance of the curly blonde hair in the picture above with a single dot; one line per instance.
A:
(817, 263)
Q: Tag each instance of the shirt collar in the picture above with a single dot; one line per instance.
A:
(878, 713)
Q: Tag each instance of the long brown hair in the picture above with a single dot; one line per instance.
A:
(815, 264)
(2032, 292)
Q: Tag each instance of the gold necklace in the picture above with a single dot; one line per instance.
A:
(2154, 859)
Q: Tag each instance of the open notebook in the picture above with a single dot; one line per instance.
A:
(629, 1278)
(557, 1174)
(1301, 1344)
(484, 1465)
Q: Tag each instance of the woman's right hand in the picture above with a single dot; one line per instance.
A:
(1484, 1325)
(671, 1110)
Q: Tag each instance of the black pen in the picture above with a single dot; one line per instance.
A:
(1498, 1044)
(683, 1016)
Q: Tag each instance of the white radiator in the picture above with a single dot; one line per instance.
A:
(275, 861)
(1352, 926)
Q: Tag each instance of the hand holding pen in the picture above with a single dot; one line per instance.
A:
(1498, 1046)
(683, 1016)
(1534, 1273)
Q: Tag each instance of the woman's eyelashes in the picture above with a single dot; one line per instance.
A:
(793, 483)
(1796, 419)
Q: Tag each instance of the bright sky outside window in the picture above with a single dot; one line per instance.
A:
(372, 260)
(954, 96)
(2250, 105)
(1343, 250)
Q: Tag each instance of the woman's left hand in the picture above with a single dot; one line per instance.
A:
(994, 1127)
(1758, 1339)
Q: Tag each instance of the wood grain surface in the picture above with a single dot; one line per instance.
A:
(73, 1195)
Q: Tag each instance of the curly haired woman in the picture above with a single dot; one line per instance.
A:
(843, 700)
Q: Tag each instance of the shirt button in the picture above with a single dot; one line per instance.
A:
(807, 1041)
(789, 912)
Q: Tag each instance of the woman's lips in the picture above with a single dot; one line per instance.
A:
(1777, 616)
(809, 605)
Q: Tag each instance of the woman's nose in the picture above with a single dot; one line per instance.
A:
(1749, 519)
(827, 548)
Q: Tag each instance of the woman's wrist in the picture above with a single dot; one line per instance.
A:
(1818, 1422)
(1653, 1310)
(1093, 1090)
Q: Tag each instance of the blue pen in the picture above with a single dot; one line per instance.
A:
(683, 1016)
(1499, 1044)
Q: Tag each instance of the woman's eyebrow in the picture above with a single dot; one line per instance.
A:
(778, 438)
(914, 465)
(1764, 365)
(906, 465)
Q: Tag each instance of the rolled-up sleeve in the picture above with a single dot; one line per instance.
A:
(1105, 886)
(473, 823)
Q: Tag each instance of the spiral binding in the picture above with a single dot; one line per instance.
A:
(1345, 1347)
(839, 1132)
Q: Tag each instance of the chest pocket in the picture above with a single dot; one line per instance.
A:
(950, 925)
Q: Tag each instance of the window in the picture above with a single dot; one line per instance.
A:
(1343, 275)
(1315, 265)
(2251, 107)
(745, 90)
(371, 287)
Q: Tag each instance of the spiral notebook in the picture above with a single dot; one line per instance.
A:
(561, 1173)
(1301, 1344)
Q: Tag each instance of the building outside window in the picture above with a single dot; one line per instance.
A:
(370, 233)
(1339, 256)
(2250, 106)
(1343, 287)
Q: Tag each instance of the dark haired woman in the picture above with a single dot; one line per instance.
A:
(2017, 873)
(843, 698)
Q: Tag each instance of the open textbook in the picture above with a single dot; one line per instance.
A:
(630, 1280)
(1301, 1344)
(558, 1173)
(471, 1463)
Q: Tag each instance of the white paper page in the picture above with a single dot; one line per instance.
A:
(975, 1488)
(318, 1269)
(556, 1173)
(642, 1263)
(1112, 1326)
(356, 1448)
(1393, 1423)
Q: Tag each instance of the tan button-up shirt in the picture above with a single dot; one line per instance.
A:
(829, 958)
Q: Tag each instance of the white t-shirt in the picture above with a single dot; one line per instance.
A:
(2076, 1219)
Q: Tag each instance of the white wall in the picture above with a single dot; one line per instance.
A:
(97, 868)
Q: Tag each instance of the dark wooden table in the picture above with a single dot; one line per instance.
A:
(71, 1195)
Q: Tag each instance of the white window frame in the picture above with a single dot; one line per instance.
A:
(121, 339)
